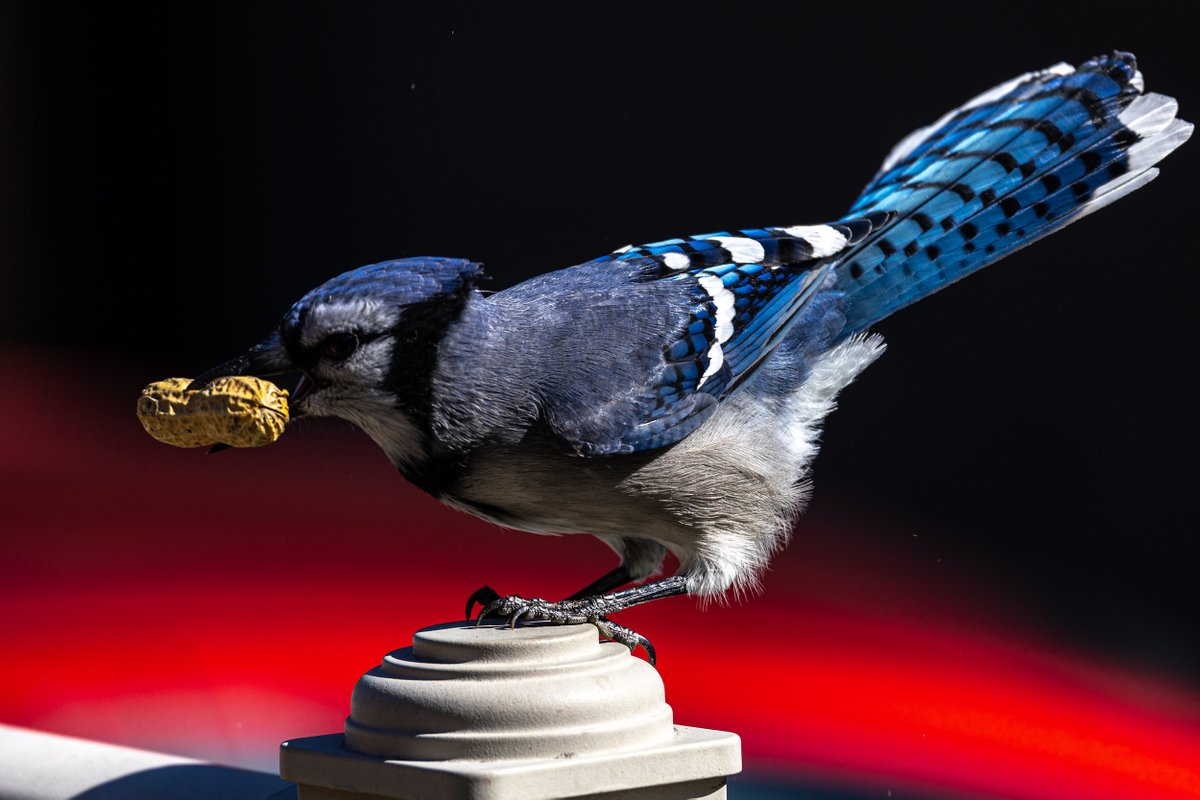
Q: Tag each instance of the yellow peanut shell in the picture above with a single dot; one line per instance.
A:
(239, 411)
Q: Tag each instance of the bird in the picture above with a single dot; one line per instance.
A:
(669, 397)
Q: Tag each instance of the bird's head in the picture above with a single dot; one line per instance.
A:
(366, 345)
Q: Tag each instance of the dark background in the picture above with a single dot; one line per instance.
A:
(174, 176)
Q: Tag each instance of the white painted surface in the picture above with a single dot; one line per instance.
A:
(45, 766)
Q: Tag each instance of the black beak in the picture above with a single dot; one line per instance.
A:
(268, 358)
(303, 387)
(234, 366)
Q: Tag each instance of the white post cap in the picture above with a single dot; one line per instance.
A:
(540, 711)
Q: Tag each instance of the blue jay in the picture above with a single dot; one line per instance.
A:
(669, 397)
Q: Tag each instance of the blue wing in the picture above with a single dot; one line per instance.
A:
(1015, 164)
(739, 292)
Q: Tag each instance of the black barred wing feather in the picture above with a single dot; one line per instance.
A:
(1010, 166)
(743, 291)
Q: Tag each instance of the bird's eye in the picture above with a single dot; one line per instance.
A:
(339, 346)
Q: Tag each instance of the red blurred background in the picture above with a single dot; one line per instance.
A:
(993, 593)
(214, 606)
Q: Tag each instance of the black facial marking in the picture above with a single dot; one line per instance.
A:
(290, 334)
(417, 335)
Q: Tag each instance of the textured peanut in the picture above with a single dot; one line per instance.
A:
(239, 411)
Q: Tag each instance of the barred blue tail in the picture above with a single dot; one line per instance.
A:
(1011, 166)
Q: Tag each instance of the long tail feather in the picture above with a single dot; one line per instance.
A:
(1015, 164)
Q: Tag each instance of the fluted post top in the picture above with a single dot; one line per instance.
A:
(492, 692)
(493, 713)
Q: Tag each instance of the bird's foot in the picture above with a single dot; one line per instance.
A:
(564, 612)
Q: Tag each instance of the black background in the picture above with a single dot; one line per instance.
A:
(175, 176)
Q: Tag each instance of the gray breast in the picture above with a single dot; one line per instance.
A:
(723, 500)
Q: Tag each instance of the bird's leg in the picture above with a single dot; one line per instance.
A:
(640, 558)
(583, 609)
(594, 609)
(605, 583)
(485, 595)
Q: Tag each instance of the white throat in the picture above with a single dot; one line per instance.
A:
(374, 412)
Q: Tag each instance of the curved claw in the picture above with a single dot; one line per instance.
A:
(495, 605)
(651, 655)
(630, 638)
(484, 596)
(564, 612)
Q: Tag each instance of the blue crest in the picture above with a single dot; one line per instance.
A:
(400, 282)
